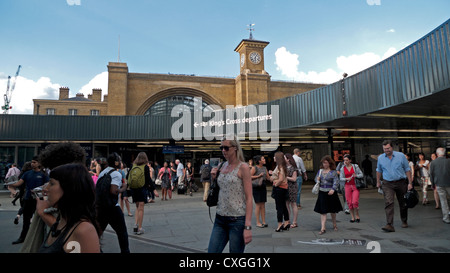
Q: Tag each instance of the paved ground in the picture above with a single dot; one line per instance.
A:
(182, 225)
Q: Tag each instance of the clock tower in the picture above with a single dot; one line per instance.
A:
(252, 84)
(251, 56)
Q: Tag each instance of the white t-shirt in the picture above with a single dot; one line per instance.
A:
(116, 177)
(423, 171)
(180, 168)
(299, 161)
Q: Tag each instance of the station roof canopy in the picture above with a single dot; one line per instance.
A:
(405, 96)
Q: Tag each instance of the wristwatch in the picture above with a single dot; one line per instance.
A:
(248, 227)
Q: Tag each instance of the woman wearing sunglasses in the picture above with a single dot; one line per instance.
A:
(235, 205)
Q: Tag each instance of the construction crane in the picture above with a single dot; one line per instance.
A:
(9, 92)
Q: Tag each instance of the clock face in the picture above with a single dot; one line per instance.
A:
(255, 57)
(242, 60)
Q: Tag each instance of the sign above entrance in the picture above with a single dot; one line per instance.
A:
(251, 121)
(173, 149)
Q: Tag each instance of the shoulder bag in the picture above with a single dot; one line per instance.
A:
(213, 192)
(315, 189)
(359, 182)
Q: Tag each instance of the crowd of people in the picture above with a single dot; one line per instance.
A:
(49, 189)
(393, 178)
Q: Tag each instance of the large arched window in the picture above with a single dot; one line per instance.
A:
(165, 105)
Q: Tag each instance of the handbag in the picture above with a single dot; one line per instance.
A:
(360, 183)
(411, 198)
(213, 192)
(316, 188)
(158, 181)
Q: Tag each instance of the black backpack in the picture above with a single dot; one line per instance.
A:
(206, 172)
(103, 196)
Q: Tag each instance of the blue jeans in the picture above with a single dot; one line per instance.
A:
(299, 185)
(227, 229)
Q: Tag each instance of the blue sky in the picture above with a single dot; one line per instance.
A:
(70, 42)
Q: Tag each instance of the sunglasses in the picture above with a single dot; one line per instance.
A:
(226, 148)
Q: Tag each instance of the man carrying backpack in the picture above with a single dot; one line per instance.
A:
(108, 187)
(205, 178)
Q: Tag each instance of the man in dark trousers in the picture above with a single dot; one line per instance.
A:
(112, 214)
(32, 179)
(397, 180)
(440, 178)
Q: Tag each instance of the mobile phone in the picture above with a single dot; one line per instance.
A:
(38, 193)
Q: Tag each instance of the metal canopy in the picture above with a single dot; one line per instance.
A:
(405, 95)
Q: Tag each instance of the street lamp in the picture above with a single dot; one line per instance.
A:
(344, 103)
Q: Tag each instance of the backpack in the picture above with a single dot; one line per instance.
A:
(136, 178)
(103, 196)
(206, 172)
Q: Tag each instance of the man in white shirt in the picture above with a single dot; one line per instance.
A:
(114, 215)
(303, 176)
(181, 171)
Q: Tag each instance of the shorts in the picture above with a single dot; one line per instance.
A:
(139, 195)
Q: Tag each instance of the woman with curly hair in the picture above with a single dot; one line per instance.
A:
(328, 200)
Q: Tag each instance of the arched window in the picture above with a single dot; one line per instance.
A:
(165, 105)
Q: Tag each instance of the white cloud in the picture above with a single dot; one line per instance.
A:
(287, 63)
(26, 90)
(355, 63)
(73, 2)
(391, 51)
(391, 30)
(99, 81)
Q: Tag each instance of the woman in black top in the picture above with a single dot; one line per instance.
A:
(260, 175)
(189, 177)
(76, 228)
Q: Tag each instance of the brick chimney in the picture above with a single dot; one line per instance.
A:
(63, 93)
(96, 94)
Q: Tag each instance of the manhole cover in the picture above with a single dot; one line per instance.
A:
(324, 241)
(405, 243)
(372, 238)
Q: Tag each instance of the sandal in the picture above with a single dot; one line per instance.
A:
(335, 228)
(294, 225)
(260, 226)
(322, 231)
